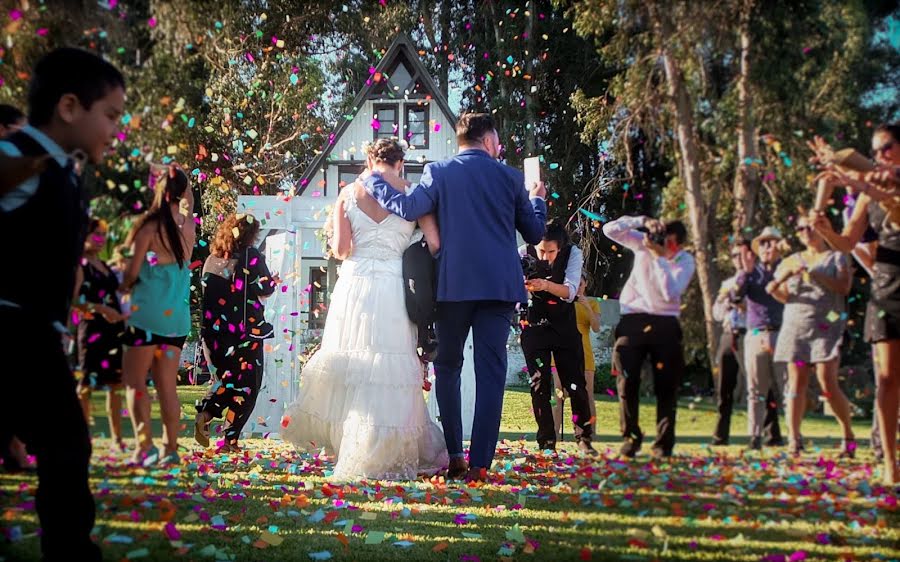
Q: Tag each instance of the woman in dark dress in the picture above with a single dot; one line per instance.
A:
(235, 281)
(879, 194)
(99, 331)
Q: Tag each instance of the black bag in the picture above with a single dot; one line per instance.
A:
(419, 283)
(420, 288)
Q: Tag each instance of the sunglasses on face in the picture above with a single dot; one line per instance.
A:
(765, 243)
(805, 228)
(883, 149)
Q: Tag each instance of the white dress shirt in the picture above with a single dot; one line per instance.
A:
(656, 284)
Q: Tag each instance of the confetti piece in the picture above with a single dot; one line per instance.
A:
(374, 537)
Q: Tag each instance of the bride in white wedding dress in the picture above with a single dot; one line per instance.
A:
(361, 392)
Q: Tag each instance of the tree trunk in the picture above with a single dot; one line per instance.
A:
(746, 180)
(529, 70)
(445, 48)
(707, 273)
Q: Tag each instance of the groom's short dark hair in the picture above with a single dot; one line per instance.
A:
(472, 127)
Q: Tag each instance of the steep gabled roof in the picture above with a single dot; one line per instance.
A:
(401, 47)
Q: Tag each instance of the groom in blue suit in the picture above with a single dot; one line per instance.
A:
(480, 204)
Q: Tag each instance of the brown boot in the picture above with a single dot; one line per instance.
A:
(476, 474)
(457, 469)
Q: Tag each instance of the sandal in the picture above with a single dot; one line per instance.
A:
(848, 449)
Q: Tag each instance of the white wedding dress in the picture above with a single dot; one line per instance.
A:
(361, 394)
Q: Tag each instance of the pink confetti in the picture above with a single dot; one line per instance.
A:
(172, 533)
(151, 22)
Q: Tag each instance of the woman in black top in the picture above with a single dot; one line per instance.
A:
(878, 208)
(235, 280)
(99, 331)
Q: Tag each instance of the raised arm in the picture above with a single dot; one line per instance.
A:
(411, 205)
(853, 231)
(624, 231)
(260, 274)
(531, 213)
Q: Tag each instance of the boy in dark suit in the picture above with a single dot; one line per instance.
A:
(75, 102)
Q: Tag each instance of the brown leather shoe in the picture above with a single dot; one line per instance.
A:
(457, 469)
(476, 474)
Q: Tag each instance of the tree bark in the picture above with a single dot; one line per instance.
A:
(746, 180)
(445, 48)
(503, 105)
(529, 70)
(707, 272)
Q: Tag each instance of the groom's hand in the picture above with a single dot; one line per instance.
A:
(537, 189)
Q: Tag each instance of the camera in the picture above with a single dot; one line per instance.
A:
(534, 268)
(658, 238)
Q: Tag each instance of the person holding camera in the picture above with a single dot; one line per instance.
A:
(553, 273)
(649, 327)
(765, 377)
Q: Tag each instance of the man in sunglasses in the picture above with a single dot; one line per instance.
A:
(765, 378)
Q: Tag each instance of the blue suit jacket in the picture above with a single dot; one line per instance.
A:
(480, 204)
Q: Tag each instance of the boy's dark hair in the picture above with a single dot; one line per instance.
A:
(10, 115)
(677, 228)
(69, 71)
(892, 129)
(556, 232)
(472, 127)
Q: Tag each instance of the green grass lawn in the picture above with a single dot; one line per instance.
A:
(272, 503)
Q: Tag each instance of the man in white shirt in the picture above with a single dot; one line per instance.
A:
(650, 304)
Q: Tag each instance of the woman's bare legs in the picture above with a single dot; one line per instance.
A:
(114, 412)
(136, 363)
(795, 401)
(165, 377)
(827, 374)
(887, 399)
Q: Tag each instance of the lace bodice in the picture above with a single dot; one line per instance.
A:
(387, 239)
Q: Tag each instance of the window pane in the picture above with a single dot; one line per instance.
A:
(413, 174)
(387, 115)
(347, 175)
(387, 119)
(416, 126)
(318, 297)
(401, 77)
